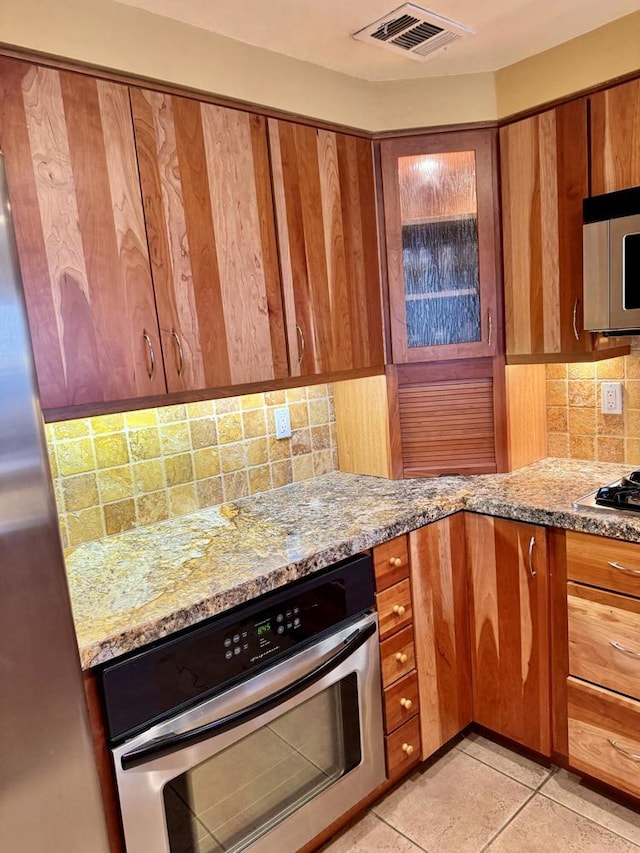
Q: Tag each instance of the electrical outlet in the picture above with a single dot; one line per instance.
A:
(283, 422)
(612, 398)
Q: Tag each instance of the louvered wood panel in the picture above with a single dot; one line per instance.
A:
(447, 427)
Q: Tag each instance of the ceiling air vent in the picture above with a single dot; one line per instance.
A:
(412, 31)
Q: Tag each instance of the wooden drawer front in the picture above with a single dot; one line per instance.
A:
(603, 562)
(402, 748)
(598, 619)
(601, 726)
(397, 656)
(391, 562)
(394, 608)
(401, 702)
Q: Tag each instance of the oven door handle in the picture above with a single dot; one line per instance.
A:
(181, 740)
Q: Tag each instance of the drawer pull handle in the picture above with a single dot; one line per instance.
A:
(407, 748)
(632, 755)
(401, 657)
(624, 650)
(399, 609)
(624, 569)
(532, 545)
(396, 562)
(406, 703)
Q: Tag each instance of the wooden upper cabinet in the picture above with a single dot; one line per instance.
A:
(327, 231)
(204, 171)
(545, 176)
(509, 603)
(615, 138)
(71, 168)
(441, 214)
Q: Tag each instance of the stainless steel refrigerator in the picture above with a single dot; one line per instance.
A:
(49, 792)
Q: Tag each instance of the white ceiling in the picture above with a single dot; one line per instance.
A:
(318, 31)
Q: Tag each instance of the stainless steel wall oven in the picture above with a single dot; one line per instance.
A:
(255, 730)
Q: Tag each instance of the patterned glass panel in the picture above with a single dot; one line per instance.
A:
(439, 215)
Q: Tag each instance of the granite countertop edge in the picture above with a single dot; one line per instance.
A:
(388, 509)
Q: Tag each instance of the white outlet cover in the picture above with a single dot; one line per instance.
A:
(611, 398)
(283, 422)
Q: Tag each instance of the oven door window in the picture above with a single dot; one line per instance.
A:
(229, 801)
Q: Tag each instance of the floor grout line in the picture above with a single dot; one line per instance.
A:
(398, 832)
(510, 821)
(504, 773)
(590, 819)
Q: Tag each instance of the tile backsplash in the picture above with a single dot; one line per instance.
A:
(576, 425)
(115, 472)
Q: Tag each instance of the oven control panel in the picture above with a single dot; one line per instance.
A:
(264, 636)
(206, 659)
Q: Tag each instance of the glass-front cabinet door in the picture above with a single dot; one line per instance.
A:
(441, 224)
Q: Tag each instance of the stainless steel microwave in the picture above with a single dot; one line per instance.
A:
(611, 254)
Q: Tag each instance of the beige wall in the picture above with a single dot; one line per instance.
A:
(112, 35)
(598, 56)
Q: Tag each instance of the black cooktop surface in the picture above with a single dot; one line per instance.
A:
(624, 494)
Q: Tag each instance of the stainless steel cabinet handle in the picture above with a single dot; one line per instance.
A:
(575, 319)
(532, 545)
(490, 324)
(151, 372)
(302, 344)
(624, 650)
(632, 755)
(624, 569)
(180, 364)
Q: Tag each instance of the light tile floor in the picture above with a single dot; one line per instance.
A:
(480, 797)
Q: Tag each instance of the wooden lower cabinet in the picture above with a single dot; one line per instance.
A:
(401, 701)
(604, 645)
(604, 735)
(402, 748)
(510, 650)
(441, 629)
(398, 661)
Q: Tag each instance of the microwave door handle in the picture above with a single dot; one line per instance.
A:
(181, 740)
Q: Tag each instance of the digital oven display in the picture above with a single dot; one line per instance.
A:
(263, 628)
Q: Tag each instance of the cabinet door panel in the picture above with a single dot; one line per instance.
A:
(545, 176)
(440, 225)
(72, 175)
(325, 201)
(441, 628)
(615, 138)
(510, 629)
(204, 173)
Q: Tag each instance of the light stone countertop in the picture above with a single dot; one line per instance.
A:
(135, 587)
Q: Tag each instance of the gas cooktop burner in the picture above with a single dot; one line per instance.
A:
(621, 496)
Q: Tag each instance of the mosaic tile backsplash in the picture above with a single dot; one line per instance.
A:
(115, 472)
(576, 425)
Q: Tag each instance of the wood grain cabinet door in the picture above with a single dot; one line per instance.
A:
(207, 199)
(510, 629)
(615, 138)
(71, 168)
(545, 175)
(441, 629)
(327, 231)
